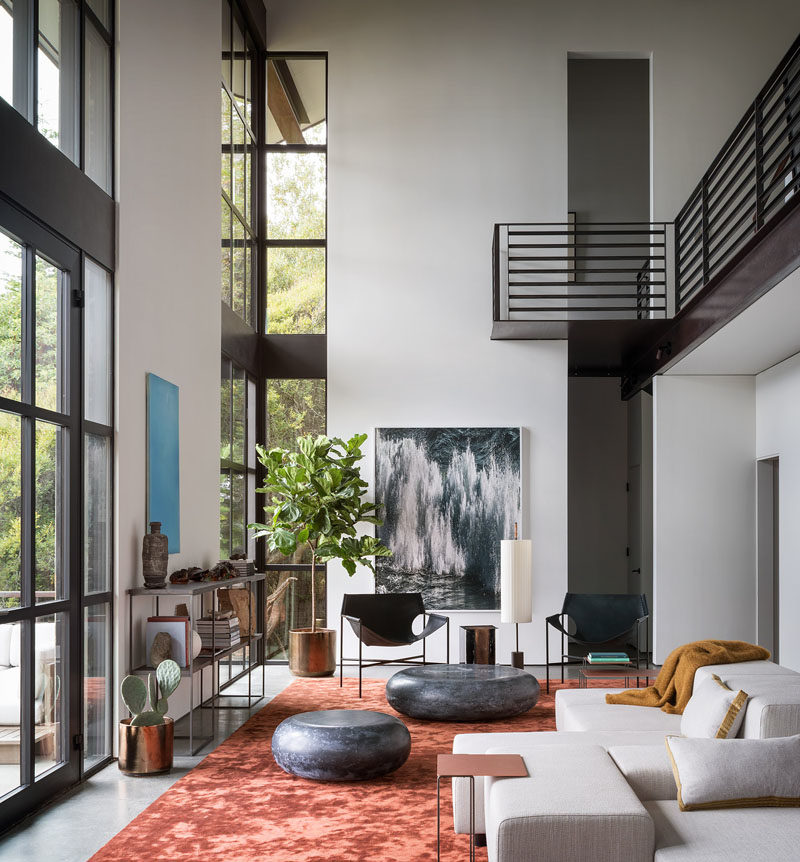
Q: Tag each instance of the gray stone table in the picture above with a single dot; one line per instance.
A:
(341, 744)
(462, 692)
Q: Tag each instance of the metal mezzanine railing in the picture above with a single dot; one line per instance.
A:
(747, 184)
(593, 271)
(577, 271)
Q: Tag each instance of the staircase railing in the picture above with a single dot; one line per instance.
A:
(590, 271)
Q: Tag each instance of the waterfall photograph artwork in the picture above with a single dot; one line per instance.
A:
(447, 496)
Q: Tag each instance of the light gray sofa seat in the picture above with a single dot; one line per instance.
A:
(583, 709)
(555, 814)
(749, 835)
(480, 743)
(647, 768)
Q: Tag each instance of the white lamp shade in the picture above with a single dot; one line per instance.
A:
(515, 581)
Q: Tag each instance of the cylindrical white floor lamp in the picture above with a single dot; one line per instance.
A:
(515, 587)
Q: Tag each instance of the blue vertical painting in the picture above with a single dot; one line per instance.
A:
(163, 459)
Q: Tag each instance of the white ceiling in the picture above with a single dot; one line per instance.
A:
(763, 335)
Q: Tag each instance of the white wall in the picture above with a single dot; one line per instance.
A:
(778, 433)
(476, 92)
(168, 276)
(597, 473)
(445, 118)
(704, 510)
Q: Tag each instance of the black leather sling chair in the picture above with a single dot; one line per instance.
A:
(385, 619)
(595, 619)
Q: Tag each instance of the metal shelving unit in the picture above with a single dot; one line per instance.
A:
(250, 645)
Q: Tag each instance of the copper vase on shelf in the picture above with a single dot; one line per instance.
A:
(155, 556)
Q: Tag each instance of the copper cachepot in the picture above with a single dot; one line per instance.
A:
(312, 653)
(145, 750)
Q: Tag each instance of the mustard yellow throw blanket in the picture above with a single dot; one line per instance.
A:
(673, 686)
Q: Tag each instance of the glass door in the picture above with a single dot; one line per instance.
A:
(42, 523)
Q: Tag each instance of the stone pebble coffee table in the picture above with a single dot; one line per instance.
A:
(462, 692)
(341, 744)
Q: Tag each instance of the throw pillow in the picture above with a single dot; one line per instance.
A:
(735, 773)
(713, 711)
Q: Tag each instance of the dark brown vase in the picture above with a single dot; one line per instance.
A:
(155, 556)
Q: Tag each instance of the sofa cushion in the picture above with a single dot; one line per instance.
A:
(774, 705)
(647, 768)
(767, 834)
(586, 709)
(5, 643)
(736, 773)
(742, 668)
(714, 710)
(555, 814)
(15, 647)
(480, 743)
(9, 696)
(772, 713)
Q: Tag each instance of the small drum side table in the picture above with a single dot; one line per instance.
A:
(477, 645)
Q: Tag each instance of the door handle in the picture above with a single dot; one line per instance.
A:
(636, 571)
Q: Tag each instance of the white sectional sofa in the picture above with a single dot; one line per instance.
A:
(10, 660)
(601, 786)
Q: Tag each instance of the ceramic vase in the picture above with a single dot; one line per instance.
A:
(154, 557)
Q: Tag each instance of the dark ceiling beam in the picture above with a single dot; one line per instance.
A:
(281, 108)
(293, 356)
(240, 342)
(756, 268)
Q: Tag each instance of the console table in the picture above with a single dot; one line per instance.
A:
(203, 590)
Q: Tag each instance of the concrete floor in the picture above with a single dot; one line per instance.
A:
(76, 826)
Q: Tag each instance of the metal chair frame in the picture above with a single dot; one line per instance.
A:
(414, 659)
(558, 620)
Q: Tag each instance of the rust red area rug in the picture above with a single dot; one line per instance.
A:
(237, 804)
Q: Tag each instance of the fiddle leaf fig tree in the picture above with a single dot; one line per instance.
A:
(315, 499)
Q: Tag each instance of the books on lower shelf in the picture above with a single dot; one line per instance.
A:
(219, 633)
(608, 658)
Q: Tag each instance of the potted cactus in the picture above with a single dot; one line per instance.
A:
(146, 739)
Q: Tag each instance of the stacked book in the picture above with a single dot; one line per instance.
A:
(608, 658)
(220, 633)
(243, 567)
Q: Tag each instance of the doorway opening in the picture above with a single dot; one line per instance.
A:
(768, 568)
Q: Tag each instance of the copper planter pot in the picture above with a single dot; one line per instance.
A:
(312, 653)
(146, 750)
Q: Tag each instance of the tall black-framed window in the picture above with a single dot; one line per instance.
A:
(56, 420)
(239, 175)
(237, 459)
(241, 208)
(294, 323)
(296, 170)
(56, 69)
